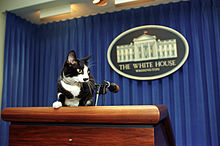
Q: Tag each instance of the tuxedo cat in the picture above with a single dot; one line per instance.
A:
(76, 85)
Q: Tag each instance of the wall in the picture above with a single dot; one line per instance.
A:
(2, 39)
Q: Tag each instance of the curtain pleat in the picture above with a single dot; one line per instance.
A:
(34, 55)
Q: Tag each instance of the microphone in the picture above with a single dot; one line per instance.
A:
(102, 89)
(112, 87)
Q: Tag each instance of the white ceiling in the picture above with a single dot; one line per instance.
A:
(79, 8)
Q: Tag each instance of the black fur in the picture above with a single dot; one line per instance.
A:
(70, 67)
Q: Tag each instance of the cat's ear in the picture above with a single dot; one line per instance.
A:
(86, 59)
(71, 59)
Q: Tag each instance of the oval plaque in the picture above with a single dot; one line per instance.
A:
(148, 52)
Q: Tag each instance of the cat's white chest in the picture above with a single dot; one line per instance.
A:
(74, 89)
(72, 102)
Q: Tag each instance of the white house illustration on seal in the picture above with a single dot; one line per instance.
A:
(146, 47)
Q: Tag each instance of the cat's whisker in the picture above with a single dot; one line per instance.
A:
(92, 65)
(90, 87)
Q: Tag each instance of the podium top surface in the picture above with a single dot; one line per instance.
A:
(140, 114)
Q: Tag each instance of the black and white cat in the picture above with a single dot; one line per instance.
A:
(76, 85)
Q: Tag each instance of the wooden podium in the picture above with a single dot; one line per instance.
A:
(94, 125)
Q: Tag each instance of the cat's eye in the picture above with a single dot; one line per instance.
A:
(88, 71)
(79, 71)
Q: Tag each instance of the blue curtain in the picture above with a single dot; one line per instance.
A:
(34, 55)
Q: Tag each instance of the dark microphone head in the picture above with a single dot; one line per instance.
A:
(103, 90)
(113, 88)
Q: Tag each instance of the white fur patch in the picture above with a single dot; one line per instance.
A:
(57, 104)
(80, 77)
(58, 95)
(89, 102)
(72, 102)
(74, 89)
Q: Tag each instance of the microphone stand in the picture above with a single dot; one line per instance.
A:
(97, 95)
(105, 86)
(101, 89)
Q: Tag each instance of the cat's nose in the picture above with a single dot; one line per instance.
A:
(85, 79)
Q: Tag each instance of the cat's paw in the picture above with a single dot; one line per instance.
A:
(89, 102)
(57, 104)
